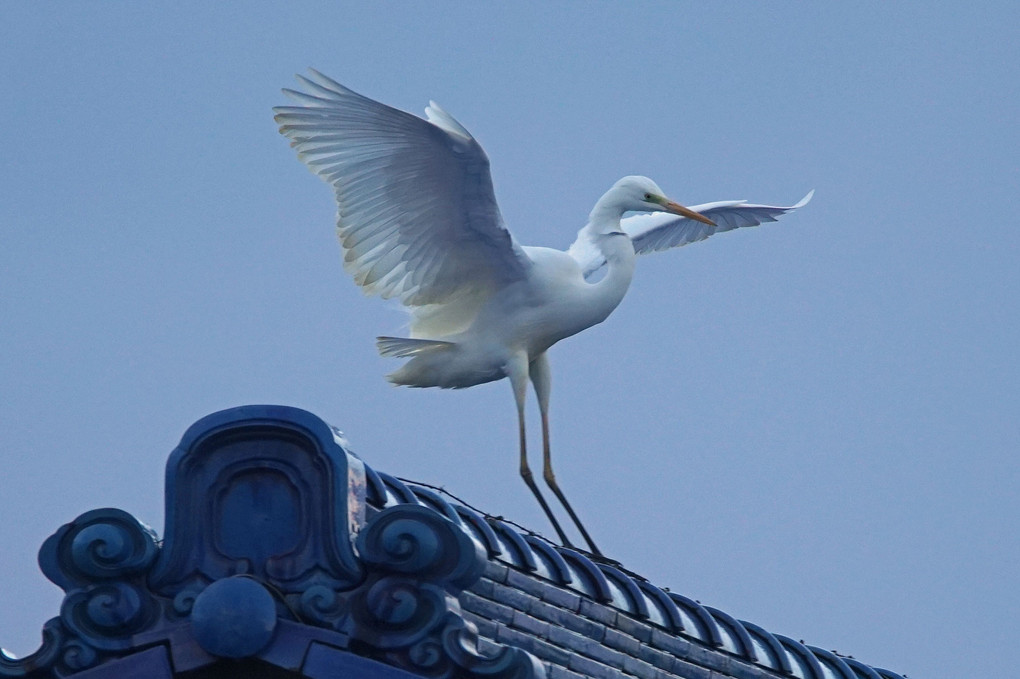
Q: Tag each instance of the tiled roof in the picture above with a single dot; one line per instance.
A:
(586, 617)
(283, 553)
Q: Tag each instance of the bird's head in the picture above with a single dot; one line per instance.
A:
(641, 194)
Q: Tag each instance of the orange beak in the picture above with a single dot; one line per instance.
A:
(678, 209)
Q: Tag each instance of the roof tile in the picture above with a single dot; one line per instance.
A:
(655, 657)
(526, 623)
(486, 608)
(497, 571)
(593, 669)
(667, 642)
(639, 630)
(574, 641)
(689, 671)
(739, 670)
(596, 611)
(568, 620)
(543, 650)
(556, 672)
(562, 598)
(485, 626)
(522, 601)
(621, 642)
(528, 583)
(640, 668)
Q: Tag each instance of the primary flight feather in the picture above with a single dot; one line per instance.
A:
(417, 220)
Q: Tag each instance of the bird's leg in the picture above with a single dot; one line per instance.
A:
(541, 378)
(517, 371)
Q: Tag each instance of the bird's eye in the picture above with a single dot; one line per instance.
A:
(648, 196)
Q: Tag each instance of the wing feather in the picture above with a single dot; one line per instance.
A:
(416, 214)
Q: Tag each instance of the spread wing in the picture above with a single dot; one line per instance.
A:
(416, 213)
(661, 230)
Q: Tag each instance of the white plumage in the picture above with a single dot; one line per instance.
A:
(417, 220)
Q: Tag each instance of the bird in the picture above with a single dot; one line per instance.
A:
(418, 222)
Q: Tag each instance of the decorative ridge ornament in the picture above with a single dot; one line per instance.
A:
(262, 490)
(270, 556)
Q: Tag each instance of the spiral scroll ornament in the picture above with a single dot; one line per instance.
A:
(102, 544)
(413, 540)
(408, 609)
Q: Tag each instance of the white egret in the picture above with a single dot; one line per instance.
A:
(418, 221)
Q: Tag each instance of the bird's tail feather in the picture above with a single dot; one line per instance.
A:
(405, 347)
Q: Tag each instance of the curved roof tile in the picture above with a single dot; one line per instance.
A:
(832, 664)
(557, 565)
(804, 662)
(770, 652)
(702, 625)
(627, 595)
(741, 641)
(662, 609)
(862, 671)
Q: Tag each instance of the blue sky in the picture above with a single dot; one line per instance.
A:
(812, 425)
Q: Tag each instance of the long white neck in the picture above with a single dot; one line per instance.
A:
(607, 235)
(605, 216)
(619, 254)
